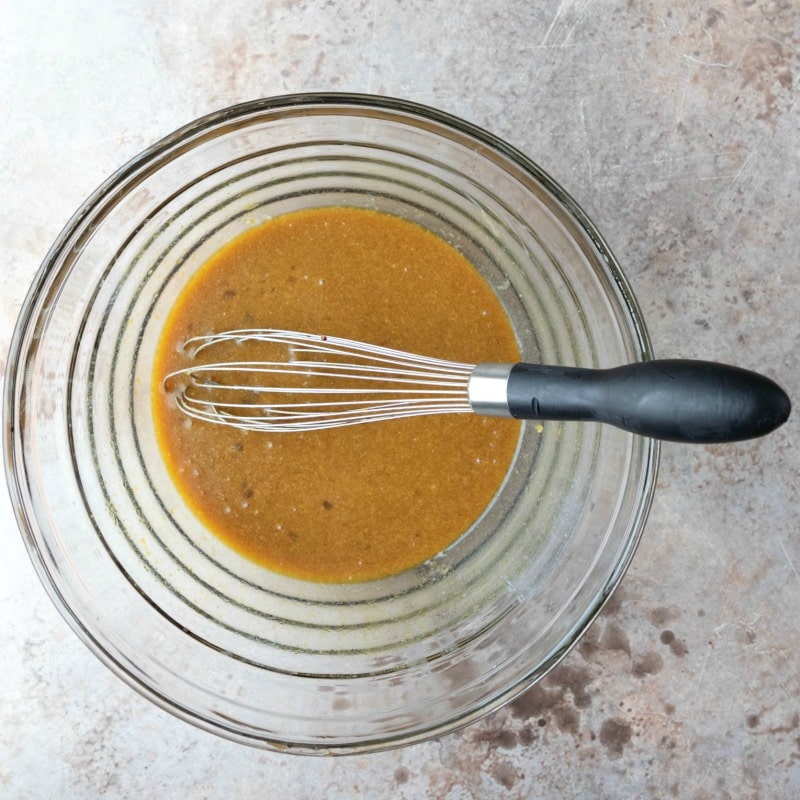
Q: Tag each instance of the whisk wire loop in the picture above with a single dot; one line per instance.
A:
(326, 382)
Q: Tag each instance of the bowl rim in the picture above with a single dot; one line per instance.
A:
(183, 139)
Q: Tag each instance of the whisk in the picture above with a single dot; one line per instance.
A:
(329, 382)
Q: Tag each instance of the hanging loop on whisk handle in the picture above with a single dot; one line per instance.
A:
(672, 399)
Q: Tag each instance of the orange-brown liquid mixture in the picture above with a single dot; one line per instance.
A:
(352, 503)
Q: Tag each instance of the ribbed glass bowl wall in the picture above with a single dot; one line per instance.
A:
(229, 646)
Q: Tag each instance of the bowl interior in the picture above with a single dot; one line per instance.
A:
(230, 646)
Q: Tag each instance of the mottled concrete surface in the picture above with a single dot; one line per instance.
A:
(675, 125)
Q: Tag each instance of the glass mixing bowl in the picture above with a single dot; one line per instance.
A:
(231, 647)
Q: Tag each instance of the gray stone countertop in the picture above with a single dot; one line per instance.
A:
(675, 125)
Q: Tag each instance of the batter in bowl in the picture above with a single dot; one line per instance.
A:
(354, 503)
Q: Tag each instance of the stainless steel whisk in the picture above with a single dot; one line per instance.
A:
(330, 382)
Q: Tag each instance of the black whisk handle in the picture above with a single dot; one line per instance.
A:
(671, 399)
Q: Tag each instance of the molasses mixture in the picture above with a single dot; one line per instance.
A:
(353, 503)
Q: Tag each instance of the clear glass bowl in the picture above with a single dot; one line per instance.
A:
(248, 654)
